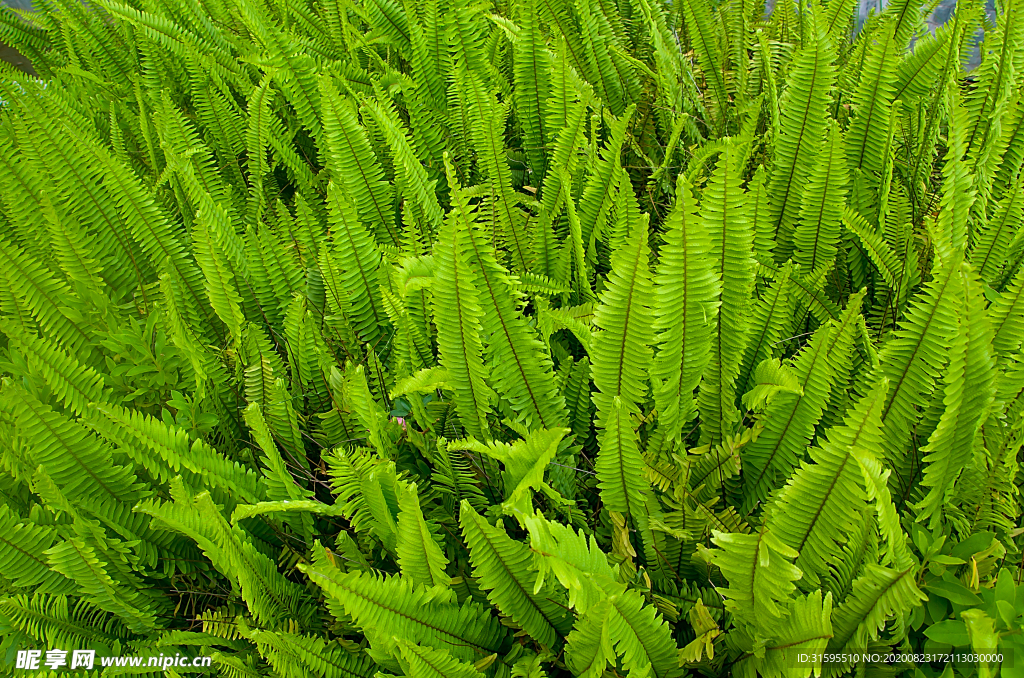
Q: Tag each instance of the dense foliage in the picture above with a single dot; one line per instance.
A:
(517, 338)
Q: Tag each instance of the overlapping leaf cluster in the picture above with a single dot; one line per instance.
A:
(517, 339)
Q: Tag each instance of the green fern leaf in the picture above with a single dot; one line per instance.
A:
(817, 236)
(419, 555)
(358, 261)
(391, 609)
(520, 366)
(422, 662)
(294, 656)
(459, 333)
(817, 510)
(78, 561)
(533, 73)
(686, 301)
(22, 555)
(724, 212)
(354, 166)
(620, 357)
(505, 569)
(913, 359)
(760, 573)
(633, 629)
(877, 596)
(803, 119)
(805, 633)
(969, 393)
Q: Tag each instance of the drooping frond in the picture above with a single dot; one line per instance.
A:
(22, 555)
(422, 662)
(817, 510)
(879, 595)
(797, 646)
(419, 554)
(760, 573)
(293, 655)
(642, 639)
(505, 569)
(392, 609)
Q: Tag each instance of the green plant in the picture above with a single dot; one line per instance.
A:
(531, 338)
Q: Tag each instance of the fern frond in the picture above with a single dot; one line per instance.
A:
(769, 319)
(970, 390)
(354, 166)
(710, 55)
(622, 626)
(520, 366)
(22, 555)
(989, 250)
(599, 191)
(296, 656)
(419, 554)
(867, 135)
(913, 359)
(620, 356)
(210, 237)
(790, 418)
(73, 457)
(358, 261)
(817, 236)
(805, 632)
(459, 333)
(803, 119)
(412, 176)
(879, 595)
(1008, 317)
(525, 462)
(423, 662)
(760, 573)
(272, 598)
(533, 74)
(57, 621)
(41, 290)
(165, 450)
(78, 561)
(392, 609)
(75, 384)
(498, 210)
(725, 214)
(505, 569)
(958, 193)
(686, 299)
(817, 510)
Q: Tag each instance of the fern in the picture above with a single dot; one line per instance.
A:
(621, 348)
(724, 213)
(537, 339)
